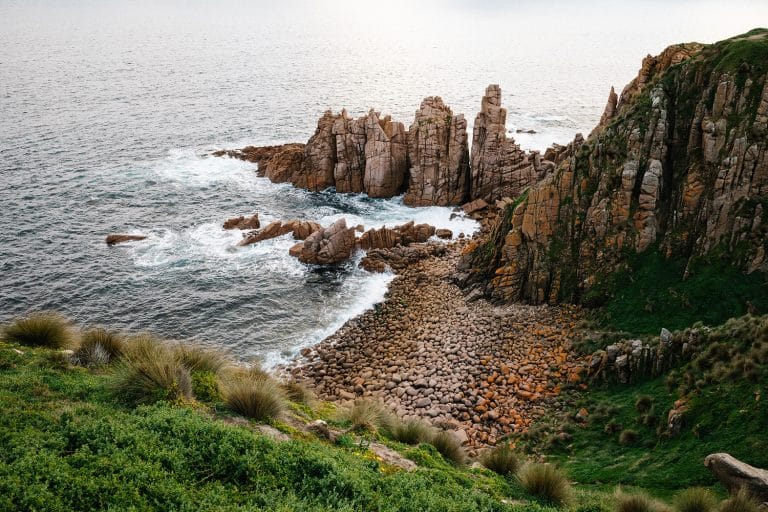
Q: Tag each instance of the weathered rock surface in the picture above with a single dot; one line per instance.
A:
(326, 246)
(682, 167)
(499, 167)
(439, 156)
(735, 475)
(122, 238)
(386, 153)
(301, 229)
(243, 222)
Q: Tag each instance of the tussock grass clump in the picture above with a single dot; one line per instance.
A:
(629, 437)
(643, 404)
(695, 499)
(502, 460)
(547, 482)
(449, 447)
(367, 414)
(41, 329)
(99, 346)
(200, 359)
(638, 502)
(298, 392)
(150, 371)
(741, 501)
(258, 398)
(412, 431)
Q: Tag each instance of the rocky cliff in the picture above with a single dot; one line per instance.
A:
(678, 164)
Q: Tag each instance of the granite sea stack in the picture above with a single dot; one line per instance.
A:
(429, 163)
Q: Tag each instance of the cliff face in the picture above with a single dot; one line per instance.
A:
(678, 163)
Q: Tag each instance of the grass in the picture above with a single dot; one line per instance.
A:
(741, 501)
(368, 414)
(257, 398)
(151, 371)
(449, 447)
(695, 499)
(69, 445)
(298, 392)
(99, 346)
(638, 502)
(199, 359)
(42, 329)
(412, 431)
(547, 482)
(501, 459)
(653, 294)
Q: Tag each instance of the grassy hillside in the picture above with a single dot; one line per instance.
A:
(624, 437)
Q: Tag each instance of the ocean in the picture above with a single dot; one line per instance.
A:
(109, 112)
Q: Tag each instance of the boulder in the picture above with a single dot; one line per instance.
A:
(242, 222)
(734, 475)
(329, 245)
(475, 206)
(443, 233)
(122, 238)
(301, 229)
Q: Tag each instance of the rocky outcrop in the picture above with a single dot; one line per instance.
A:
(349, 171)
(326, 246)
(386, 149)
(386, 238)
(121, 238)
(499, 167)
(439, 156)
(609, 112)
(243, 222)
(735, 475)
(682, 168)
(301, 229)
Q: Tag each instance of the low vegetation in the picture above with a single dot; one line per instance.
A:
(43, 329)
(135, 422)
(547, 482)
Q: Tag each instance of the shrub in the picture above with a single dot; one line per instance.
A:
(258, 398)
(151, 372)
(43, 329)
(205, 386)
(637, 502)
(412, 431)
(629, 437)
(449, 447)
(695, 499)
(197, 358)
(502, 460)
(547, 482)
(741, 501)
(643, 404)
(367, 414)
(98, 347)
(298, 392)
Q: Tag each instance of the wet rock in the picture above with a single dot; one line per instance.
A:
(122, 238)
(243, 222)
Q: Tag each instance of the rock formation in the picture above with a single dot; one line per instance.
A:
(349, 171)
(499, 167)
(386, 238)
(242, 222)
(326, 246)
(385, 156)
(301, 229)
(682, 169)
(735, 475)
(120, 238)
(438, 155)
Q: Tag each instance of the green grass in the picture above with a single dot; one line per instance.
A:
(69, 445)
(653, 294)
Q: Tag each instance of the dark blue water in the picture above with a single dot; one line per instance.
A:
(108, 112)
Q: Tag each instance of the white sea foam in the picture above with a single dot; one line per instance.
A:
(361, 292)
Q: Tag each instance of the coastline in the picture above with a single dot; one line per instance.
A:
(428, 351)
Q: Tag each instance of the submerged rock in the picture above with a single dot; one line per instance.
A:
(121, 238)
